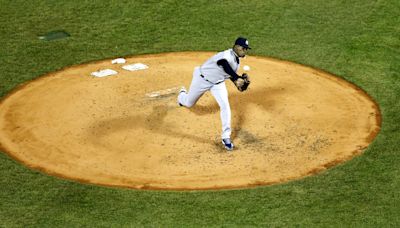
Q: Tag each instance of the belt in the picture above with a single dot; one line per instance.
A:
(209, 81)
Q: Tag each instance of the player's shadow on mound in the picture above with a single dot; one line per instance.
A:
(202, 110)
(155, 123)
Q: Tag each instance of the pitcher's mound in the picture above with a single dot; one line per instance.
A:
(127, 130)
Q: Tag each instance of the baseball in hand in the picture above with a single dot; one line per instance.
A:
(246, 68)
(239, 82)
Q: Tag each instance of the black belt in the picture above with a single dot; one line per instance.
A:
(209, 81)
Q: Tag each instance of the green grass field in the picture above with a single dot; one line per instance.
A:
(357, 40)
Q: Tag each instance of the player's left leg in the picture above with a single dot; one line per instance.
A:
(197, 88)
(220, 94)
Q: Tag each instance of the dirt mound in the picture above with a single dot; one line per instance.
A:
(127, 130)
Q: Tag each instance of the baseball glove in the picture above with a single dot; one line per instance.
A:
(242, 82)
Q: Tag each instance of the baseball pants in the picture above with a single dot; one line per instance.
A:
(198, 87)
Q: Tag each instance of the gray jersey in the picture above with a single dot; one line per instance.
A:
(215, 73)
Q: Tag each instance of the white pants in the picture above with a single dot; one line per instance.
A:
(198, 87)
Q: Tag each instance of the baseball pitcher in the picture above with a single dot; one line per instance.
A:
(211, 76)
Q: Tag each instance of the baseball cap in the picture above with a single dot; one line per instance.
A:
(242, 42)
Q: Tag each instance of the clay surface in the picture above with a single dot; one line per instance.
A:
(127, 130)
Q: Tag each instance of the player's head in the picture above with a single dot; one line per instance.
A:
(241, 46)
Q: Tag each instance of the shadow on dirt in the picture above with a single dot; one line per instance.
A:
(265, 98)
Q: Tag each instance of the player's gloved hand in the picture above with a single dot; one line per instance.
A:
(243, 82)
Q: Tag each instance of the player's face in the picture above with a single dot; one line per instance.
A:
(241, 51)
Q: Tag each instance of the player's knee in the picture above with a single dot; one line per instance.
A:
(190, 103)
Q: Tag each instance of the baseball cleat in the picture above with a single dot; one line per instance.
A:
(182, 90)
(177, 101)
(227, 144)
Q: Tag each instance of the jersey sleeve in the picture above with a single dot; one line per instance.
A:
(228, 69)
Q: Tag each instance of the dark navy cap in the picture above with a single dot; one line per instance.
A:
(242, 42)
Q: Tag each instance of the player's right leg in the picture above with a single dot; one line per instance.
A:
(198, 87)
(221, 96)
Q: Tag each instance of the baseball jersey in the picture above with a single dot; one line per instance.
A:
(215, 73)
